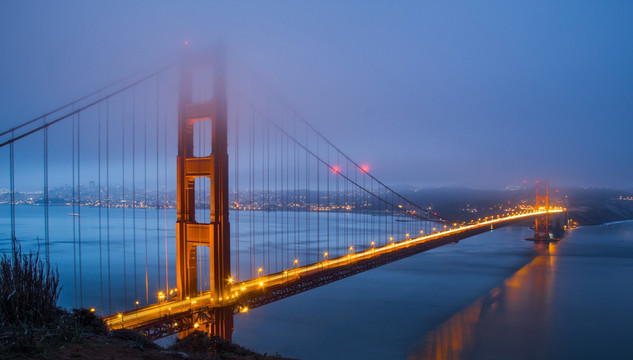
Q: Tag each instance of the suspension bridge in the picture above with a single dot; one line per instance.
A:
(264, 207)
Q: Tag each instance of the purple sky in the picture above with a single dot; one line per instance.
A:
(476, 94)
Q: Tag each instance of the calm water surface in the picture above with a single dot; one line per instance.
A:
(492, 296)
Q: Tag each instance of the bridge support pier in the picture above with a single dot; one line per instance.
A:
(218, 322)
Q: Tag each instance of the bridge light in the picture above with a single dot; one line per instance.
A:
(261, 284)
(372, 243)
(259, 271)
(295, 263)
(325, 255)
(365, 168)
(230, 280)
(336, 169)
(244, 309)
(407, 234)
(195, 326)
(92, 310)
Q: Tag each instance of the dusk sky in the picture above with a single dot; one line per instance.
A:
(476, 94)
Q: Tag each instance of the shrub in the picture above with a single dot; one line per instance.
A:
(29, 290)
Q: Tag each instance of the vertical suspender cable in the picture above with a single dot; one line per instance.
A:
(238, 201)
(46, 207)
(268, 208)
(284, 205)
(134, 191)
(12, 186)
(145, 205)
(100, 206)
(307, 205)
(318, 171)
(123, 203)
(338, 204)
(74, 198)
(157, 181)
(81, 287)
(251, 176)
(262, 199)
(109, 204)
(329, 200)
(276, 202)
(295, 198)
(165, 205)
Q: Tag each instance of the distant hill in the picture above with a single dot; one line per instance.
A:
(587, 206)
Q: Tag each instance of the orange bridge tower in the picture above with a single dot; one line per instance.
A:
(541, 223)
(213, 232)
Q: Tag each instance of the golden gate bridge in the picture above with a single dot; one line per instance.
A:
(266, 206)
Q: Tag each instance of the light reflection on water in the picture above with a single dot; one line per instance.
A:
(571, 301)
(531, 287)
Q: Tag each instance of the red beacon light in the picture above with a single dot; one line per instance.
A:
(336, 169)
(365, 168)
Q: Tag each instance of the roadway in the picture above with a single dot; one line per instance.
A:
(242, 291)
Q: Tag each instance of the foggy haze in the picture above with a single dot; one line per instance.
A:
(481, 95)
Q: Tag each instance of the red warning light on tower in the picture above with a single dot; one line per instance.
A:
(365, 168)
(336, 169)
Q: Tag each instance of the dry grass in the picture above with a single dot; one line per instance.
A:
(29, 290)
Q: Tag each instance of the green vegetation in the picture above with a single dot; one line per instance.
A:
(199, 345)
(30, 320)
(33, 326)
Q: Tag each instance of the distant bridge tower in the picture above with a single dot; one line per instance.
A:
(541, 223)
(189, 233)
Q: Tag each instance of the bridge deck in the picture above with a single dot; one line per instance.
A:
(265, 289)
